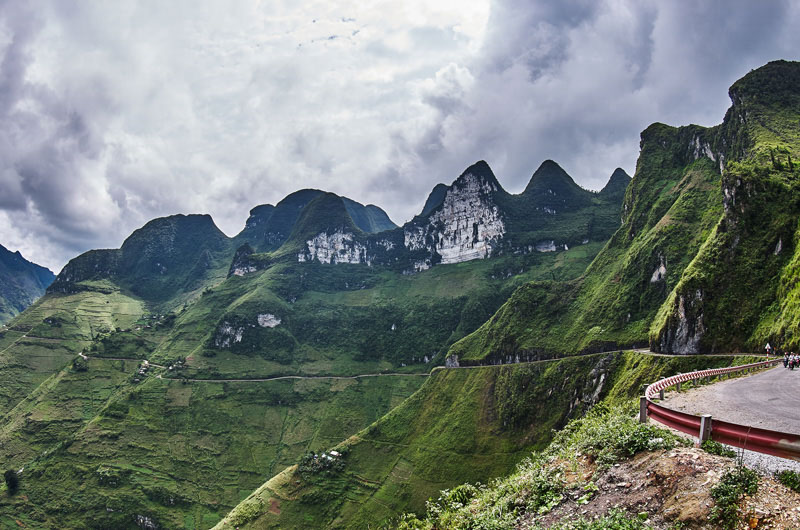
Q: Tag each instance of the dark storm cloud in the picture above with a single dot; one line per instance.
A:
(578, 81)
(114, 113)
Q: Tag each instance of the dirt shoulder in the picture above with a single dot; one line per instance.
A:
(674, 486)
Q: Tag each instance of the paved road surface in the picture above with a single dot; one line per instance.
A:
(768, 399)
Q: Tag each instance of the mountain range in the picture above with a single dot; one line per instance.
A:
(315, 329)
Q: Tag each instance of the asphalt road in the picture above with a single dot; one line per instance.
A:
(768, 399)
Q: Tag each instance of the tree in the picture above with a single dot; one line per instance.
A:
(12, 481)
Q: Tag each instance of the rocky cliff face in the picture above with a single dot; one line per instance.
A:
(466, 226)
(727, 298)
(338, 247)
(474, 218)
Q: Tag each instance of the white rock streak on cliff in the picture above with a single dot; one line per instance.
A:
(465, 227)
(338, 247)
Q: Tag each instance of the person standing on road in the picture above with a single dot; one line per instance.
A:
(785, 359)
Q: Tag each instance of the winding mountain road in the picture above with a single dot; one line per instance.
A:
(282, 377)
(769, 399)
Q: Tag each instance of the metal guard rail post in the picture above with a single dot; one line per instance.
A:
(784, 445)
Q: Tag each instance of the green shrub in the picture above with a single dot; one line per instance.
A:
(12, 481)
(716, 448)
(790, 479)
(732, 486)
(610, 434)
(615, 520)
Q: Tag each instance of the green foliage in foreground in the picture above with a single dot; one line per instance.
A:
(716, 448)
(728, 492)
(605, 434)
(615, 520)
(790, 479)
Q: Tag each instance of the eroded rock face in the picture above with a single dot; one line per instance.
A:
(145, 523)
(702, 148)
(228, 334)
(242, 270)
(660, 273)
(546, 246)
(338, 247)
(467, 226)
(685, 331)
(268, 320)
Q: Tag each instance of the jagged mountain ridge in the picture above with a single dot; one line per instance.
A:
(21, 283)
(472, 218)
(705, 258)
(475, 218)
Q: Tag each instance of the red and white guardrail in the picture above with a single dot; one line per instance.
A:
(775, 443)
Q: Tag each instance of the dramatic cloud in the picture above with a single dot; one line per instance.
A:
(112, 113)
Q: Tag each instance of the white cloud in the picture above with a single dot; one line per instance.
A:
(117, 112)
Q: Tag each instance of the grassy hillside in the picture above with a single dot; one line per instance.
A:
(345, 319)
(463, 425)
(182, 451)
(99, 451)
(703, 259)
(740, 292)
(49, 334)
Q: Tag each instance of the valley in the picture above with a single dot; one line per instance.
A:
(190, 379)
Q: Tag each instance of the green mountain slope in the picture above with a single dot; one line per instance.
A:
(696, 265)
(165, 263)
(463, 425)
(740, 291)
(218, 326)
(21, 283)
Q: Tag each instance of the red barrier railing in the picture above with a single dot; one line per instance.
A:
(784, 445)
(656, 387)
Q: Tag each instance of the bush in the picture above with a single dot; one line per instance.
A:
(12, 481)
(615, 520)
(732, 486)
(612, 434)
(716, 448)
(79, 364)
(790, 479)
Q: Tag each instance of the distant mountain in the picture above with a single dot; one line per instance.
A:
(476, 218)
(268, 227)
(617, 184)
(21, 283)
(166, 260)
(170, 259)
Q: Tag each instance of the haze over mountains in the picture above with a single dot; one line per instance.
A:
(21, 283)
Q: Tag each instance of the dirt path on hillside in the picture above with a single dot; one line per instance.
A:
(282, 377)
(16, 341)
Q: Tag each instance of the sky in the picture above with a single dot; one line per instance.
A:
(114, 113)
